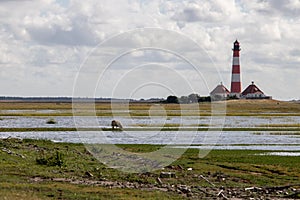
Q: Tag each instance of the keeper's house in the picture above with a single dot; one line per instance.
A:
(253, 92)
(220, 92)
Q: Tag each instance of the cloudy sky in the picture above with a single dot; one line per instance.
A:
(86, 48)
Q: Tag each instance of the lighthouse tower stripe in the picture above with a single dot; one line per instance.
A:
(235, 78)
(236, 86)
(236, 69)
(236, 53)
(236, 61)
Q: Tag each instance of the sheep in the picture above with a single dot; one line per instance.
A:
(117, 124)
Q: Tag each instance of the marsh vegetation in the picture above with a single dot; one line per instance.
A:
(65, 169)
(39, 169)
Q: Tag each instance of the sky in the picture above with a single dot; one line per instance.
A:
(147, 48)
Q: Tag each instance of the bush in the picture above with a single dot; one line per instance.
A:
(53, 160)
(205, 99)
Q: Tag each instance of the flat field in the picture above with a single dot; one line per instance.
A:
(230, 108)
(41, 169)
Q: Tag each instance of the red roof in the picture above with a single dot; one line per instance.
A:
(252, 89)
(220, 89)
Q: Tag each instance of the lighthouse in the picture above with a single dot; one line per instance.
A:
(236, 72)
(251, 92)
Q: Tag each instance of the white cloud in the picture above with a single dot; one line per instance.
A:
(47, 40)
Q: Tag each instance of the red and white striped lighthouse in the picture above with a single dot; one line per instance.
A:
(236, 75)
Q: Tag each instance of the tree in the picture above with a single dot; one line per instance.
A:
(193, 98)
(183, 99)
(172, 99)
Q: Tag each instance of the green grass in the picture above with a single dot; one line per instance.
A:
(17, 174)
(279, 125)
(25, 177)
(69, 191)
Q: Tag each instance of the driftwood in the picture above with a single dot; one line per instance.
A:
(201, 176)
(294, 195)
(12, 153)
(281, 187)
(221, 194)
(7, 151)
(159, 181)
(253, 188)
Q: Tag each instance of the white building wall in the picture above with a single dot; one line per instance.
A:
(255, 95)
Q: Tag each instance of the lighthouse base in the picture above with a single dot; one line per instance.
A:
(234, 95)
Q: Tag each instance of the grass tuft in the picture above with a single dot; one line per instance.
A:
(51, 121)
